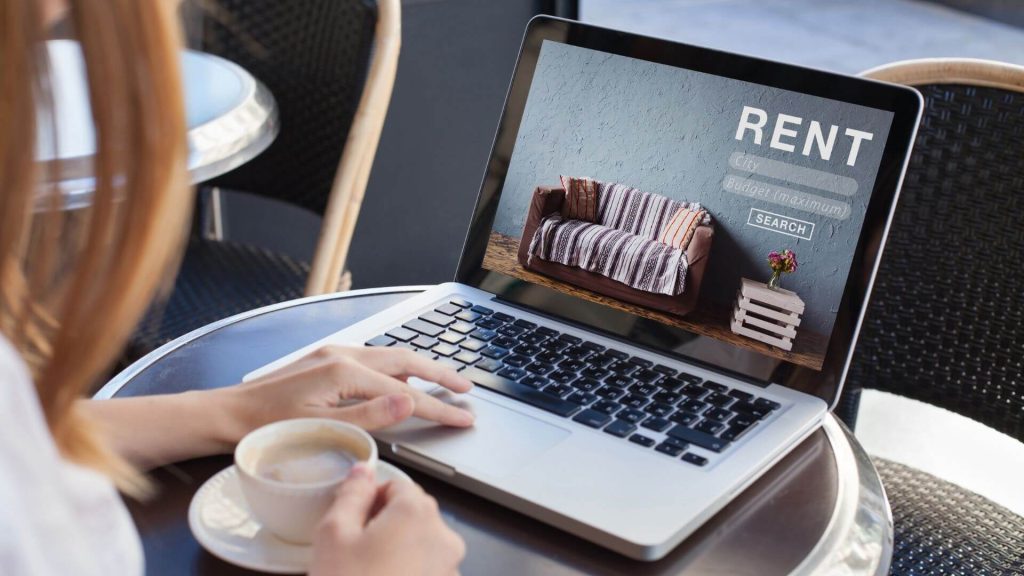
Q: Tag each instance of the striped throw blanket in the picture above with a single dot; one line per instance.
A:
(623, 244)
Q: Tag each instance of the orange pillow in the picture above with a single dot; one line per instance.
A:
(580, 198)
(679, 229)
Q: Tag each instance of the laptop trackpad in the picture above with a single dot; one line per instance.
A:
(501, 442)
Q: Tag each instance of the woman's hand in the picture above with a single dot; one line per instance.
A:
(365, 386)
(393, 529)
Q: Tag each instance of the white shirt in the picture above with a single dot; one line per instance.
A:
(56, 518)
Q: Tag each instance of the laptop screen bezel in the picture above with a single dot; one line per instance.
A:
(905, 104)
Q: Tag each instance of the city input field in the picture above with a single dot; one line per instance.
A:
(792, 174)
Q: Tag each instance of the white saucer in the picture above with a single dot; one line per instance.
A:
(221, 521)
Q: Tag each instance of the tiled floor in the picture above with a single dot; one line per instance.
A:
(851, 36)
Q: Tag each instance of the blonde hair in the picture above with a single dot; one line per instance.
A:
(73, 284)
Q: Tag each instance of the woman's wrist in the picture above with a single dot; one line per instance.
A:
(226, 415)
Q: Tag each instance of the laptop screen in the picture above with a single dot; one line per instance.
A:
(714, 216)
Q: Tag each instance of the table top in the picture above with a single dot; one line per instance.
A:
(821, 509)
(231, 118)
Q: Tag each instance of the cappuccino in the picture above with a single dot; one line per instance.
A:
(313, 458)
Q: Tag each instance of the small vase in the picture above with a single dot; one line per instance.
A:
(773, 282)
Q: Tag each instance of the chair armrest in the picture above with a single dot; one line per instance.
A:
(546, 201)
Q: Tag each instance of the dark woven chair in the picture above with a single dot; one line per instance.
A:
(945, 324)
(330, 65)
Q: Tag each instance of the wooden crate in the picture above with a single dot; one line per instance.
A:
(769, 316)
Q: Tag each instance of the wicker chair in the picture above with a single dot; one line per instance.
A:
(945, 324)
(330, 65)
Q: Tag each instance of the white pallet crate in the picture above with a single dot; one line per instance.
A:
(765, 315)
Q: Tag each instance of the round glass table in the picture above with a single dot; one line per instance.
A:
(820, 510)
(231, 118)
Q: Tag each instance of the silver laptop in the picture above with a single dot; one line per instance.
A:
(634, 370)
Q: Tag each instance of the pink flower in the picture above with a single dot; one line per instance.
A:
(784, 261)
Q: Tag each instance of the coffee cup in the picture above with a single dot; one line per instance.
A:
(290, 470)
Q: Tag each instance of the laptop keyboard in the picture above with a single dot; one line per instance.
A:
(628, 397)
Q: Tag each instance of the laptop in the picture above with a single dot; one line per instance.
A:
(634, 371)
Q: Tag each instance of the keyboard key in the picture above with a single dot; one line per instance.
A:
(424, 342)
(719, 414)
(422, 327)
(720, 400)
(620, 429)
(444, 349)
(632, 415)
(617, 354)
(466, 357)
(742, 421)
(624, 368)
(741, 395)
(577, 352)
(451, 363)
(595, 372)
(448, 309)
(656, 424)
(688, 378)
(527, 349)
(641, 362)
(381, 340)
(667, 397)
(485, 335)
(661, 368)
(673, 385)
(592, 346)
(609, 393)
(555, 345)
(520, 392)
(643, 389)
(677, 443)
(505, 342)
(438, 319)
(562, 376)
(539, 368)
(766, 403)
(451, 337)
(709, 426)
(695, 391)
(525, 324)
(401, 334)
(695, 406)
(750, 409)
(468, 316)
(646, 376)
(489, 324)
(684, 418)
(635, 401)
(699, 438)
(461, 302)
(512, 373)
(570, 339)
(572, 365)
(482, 310)
(582, 398)
(426, 354)
(694, 459)
(733, 433)
(670, 449)
(517, 360)
(619, 381)
(659, 409)
(534, 381)
(601, 360)
(560, 390)
(716, 387)
(532, 338)
(488, 364)
(473, 345)
(606, 406)
(549, 357)
(511, 330)
(503, 317)
(592, 418)
(547, 332)
(463, 327)
(641, 440)
(586, 384)
(496, 352)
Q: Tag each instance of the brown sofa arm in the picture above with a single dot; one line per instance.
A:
(546, 201)
(697, 255)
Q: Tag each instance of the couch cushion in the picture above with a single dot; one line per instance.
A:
(679, 229)
(636, 261)
(580, 198)
(634, 211)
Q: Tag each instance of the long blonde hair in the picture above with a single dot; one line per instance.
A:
(73, 284)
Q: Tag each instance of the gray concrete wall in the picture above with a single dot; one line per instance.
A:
(672, 132)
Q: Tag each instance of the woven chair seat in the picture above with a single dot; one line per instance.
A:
(217, 280)
(943, 529)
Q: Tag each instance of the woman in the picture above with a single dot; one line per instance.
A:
(72, 286)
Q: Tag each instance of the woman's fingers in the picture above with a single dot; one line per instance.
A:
(371, 383)
(352, 505)
(403, 363)
(379, 412)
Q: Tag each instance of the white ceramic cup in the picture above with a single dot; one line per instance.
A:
(291, 511)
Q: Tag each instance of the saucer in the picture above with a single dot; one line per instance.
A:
(221, 521)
